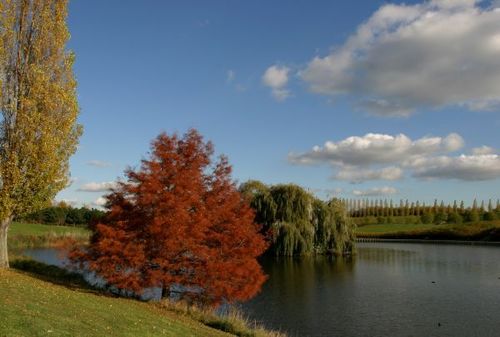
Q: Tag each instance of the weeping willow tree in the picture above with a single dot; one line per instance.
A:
(299, 223)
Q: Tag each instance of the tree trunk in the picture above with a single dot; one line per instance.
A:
(4, 256)
(165, 292)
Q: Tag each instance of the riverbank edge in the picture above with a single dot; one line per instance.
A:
(234, 323)
(430, 241)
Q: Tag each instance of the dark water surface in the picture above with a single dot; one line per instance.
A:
(388, 289)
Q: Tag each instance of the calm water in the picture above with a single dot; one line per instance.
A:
(389, 289)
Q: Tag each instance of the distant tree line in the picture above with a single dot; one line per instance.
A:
(369, 211)
(64, 215)
(299, 223)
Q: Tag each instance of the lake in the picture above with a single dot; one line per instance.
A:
(388, 289)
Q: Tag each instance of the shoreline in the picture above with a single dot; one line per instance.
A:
(429, 241)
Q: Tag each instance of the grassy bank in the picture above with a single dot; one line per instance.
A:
(25, 235)
(40, 300)
(482, 231)
(32, 307)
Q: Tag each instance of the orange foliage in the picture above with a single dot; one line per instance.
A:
(179, 220)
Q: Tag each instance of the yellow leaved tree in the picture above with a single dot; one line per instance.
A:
(39, 108)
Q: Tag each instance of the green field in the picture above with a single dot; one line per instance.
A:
(19, 228)
(481, 231)
(394, 228)
(24, 235)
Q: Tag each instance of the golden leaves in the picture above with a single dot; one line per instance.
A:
(39, 130)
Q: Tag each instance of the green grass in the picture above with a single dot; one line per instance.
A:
(393, 228)
(233, 322)
(18, 228)
(24, 235)
(481, 231)
(32, 307)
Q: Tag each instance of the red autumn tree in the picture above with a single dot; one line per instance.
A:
(178, 220)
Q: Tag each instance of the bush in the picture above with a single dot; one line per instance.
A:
(489, 216)
(440, 218)
(471, 216)
(427, 218)
(454, 218)
(76, 216)
(367, 220)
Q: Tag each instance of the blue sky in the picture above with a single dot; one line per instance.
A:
(267, 81)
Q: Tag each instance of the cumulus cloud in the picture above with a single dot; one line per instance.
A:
(99, 202)
(405, 57)
(483, 150)
(376, 191)
(390, 157)
(464, 167)
(357, 175)
(97, 187)
(375, 148)
(276, 78)
(99, 163)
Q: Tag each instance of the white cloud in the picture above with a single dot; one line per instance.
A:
(99, 202)
(99, 163)
(464, 167)
(376, 191)
(97, 187)
(387, 157)
(276, 78)
(356, 175)
(405, 57)
(483, 150)
(374, 148)
(230, 76)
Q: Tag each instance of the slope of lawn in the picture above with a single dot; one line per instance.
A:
(43, 300)
(32, 307)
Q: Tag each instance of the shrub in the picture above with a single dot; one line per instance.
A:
(455, 218)
(489, 216)
(471, 216)
(427, 218)
(440, 218)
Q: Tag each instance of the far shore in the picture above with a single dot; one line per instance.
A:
(432, 241)
(484, 232)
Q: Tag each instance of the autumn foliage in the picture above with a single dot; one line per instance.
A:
(179, 220)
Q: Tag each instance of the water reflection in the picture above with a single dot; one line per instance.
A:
(386, 290)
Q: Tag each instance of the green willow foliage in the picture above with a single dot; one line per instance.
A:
(299, 223)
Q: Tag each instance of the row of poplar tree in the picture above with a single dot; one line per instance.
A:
(369, 211)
